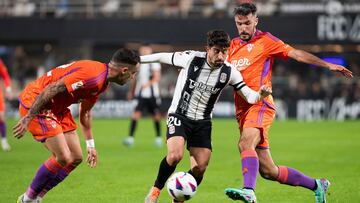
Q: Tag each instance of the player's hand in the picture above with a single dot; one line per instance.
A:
(91, 157)
(21, 127)
(265, 91)
(341, 69)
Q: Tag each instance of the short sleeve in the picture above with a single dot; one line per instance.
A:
(278, 48)
(182, 59)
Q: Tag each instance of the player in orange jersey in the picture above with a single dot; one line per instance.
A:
(4, 74)
(253, 53)
(44, 112)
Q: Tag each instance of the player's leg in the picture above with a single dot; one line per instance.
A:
(290, 176)
(73, 143)
(129, 140)
(51, 167)
(175, 150)
(199, 160)
(4, 143)
(154, 109)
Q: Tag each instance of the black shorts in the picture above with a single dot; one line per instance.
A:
(150, 105)
(195, 133)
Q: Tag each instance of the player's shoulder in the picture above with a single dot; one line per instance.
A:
(90, 63)
(270, 37)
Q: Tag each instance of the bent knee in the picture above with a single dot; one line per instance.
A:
(269, 173)
(174, 158)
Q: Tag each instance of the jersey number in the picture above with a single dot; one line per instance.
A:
(172, 120)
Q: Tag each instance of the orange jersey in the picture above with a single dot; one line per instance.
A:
(254, 60)
(84, 80)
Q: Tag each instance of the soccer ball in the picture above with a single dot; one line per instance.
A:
(181, 186)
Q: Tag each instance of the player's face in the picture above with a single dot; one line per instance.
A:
(216, 55)
(246, 26)
(121, 74)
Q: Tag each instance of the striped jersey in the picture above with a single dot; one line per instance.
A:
(198, 86)
(145, 75)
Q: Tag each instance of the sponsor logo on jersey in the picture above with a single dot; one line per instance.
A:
(196, 68)
(202, 87)
(241, 64)
(223, 77)
(77, 85)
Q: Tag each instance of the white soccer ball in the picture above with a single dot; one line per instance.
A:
(181, 186)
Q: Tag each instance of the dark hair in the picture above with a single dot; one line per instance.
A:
(127, 56)
(218, 37)
(245, 9)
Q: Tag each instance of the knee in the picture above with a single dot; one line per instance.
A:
(77, 160)
(269, 173)
(174, 158)
(64, 159)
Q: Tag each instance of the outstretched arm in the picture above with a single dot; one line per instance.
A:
(306, 57)
(158, 57)
(45, 96)
(85, 118)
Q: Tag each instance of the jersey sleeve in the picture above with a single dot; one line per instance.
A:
(278, 48)
(182, 59)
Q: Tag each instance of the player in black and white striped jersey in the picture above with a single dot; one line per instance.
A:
(202, 78)
(146, 90)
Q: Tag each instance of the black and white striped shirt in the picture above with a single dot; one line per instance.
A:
(198, 86)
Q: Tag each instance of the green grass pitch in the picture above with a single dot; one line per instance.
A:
(124, 175)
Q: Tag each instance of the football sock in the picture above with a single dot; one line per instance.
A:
(157, 128)
(165, 170)
(250, 168)
(132, 127)
(3, 129)
(62, 174)
(198, 179)
(47, 171)
(290, 176)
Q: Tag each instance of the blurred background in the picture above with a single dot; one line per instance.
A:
(37, 35)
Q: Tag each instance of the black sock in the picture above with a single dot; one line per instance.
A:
(132, 127)
(157, 128)
(198, 179)
(165, 171)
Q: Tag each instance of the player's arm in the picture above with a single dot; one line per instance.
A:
(158, 58)
(306, 57)
(44, 97)
(85, 118)
(246, 92)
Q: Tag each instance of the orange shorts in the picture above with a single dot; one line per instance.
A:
(2, 102)
(257, 116)
(47, 125)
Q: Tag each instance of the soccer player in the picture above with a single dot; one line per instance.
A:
(44, 112)
(8, 93)
(200, 82)
(252, 53)
(146, 88)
